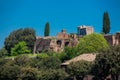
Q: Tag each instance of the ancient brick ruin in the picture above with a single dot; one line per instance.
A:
(113, 39)
(84, 30)
(57, 43)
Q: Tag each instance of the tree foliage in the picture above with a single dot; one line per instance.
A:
(52, 74)
(92, 43)
(108, 63)
(9, 71)
(70, 52)
(49, 63)
(106, 23)
(3, 52)
(47, 29)
(27, 34)
(20, 48)
(28, 73)
(20, 68)
(22, 60)
(79, 69)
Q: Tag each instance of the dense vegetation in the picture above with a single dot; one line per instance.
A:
(20, 48)
(107, 63)
(47, 66)
(92, 43)
(28, 35)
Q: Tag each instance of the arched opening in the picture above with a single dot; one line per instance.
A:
(59, 42)
(66, 44)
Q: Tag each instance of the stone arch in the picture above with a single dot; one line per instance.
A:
(59, 43)
(66, 44)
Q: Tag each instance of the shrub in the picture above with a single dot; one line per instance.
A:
(92, 43)
(20, 48)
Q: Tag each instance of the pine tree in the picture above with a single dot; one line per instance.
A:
(106, 23)
(47, 29)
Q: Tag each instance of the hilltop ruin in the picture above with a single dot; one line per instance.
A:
(63, 39)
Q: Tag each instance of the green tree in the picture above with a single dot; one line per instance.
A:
(106, 23)
(92, 43)
(22, 60)
(79, 69)
(27, 34)
(20, 48)
(3, 61)
(108, 63)
(47, 29)
(28, 73)
(9, 71)
(70, 52)
(49, 63)
(52, 74)
(42, 55)
(3, 52)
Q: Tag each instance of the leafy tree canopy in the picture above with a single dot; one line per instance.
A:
(3, 52)
(28, 73)
(49, 63)
(9, 71)
(52, 74)
(79, 69)
(27, 34)
(92, 43)
(20, 48)
(108, 63)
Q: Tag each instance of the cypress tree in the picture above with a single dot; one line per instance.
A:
(106, 23)
(47, 29)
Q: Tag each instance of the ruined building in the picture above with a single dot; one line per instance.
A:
(63, 39)
(55, 43)
(84, 30)
(113, 39)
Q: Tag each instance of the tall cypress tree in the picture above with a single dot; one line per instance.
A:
(47, 29)
(106, 23)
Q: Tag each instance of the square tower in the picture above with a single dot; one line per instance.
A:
(84, 30)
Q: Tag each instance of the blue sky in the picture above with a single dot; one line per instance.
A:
(61, 14)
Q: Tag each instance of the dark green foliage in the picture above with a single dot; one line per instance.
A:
(106, 23)
(49, 63)
(92, 43)
(9, 71)
(24, 68)
(60, 55)
(42, 55)
(22, 60)
(108, 63)
(79, 69)
(70, 52)
(28, 35)
(2, 61)
(20, 48)
(28, 73)
(52, 74)
(47, 29)
(3, 52)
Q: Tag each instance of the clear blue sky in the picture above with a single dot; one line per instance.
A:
(67, 14)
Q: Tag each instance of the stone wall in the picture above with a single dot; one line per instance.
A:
(113, 39)
(110, 39)
(56, 44)
(84, 30)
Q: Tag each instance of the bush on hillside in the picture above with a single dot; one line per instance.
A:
(20, 48)
(92, 43)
